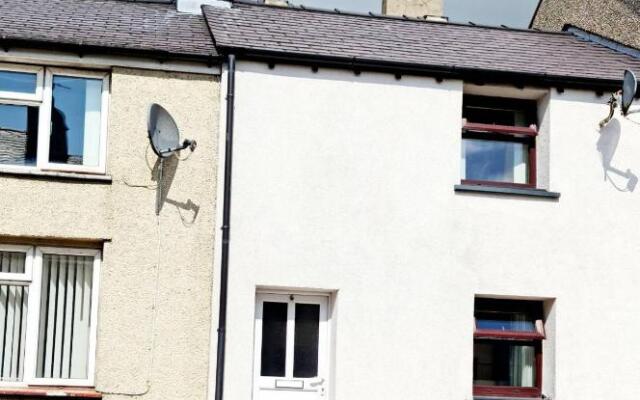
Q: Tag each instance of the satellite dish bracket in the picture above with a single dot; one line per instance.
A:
(623, 98)
(191, 144)
(613, 103)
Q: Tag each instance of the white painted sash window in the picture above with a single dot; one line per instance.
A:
(53, 119)
(48, 311)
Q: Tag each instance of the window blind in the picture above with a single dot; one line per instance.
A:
(65, 317)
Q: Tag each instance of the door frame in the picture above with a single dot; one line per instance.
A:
(325, 358)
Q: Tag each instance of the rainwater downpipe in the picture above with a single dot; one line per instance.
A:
(226, 214)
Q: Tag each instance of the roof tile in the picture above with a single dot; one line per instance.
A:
(125, 25)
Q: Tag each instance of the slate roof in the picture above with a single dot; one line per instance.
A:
(110, 24)
(295, 31)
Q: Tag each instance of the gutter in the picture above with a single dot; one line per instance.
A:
(83, 49)
(226, 217)
(472, 75)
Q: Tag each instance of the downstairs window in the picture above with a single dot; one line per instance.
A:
(507, 348)
(48, 310)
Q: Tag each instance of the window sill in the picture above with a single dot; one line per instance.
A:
(55, 175)
(47, 392)
(501, 190)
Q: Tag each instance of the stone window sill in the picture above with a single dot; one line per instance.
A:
(46, 392)
(55, 175)
(499, 190)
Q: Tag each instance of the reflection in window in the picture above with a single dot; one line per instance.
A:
(18, 82)
(497, 161)
(75, 121)
(18, 134)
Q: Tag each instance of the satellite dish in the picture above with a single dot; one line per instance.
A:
(164, 137)
(629, 88)
(164, 134)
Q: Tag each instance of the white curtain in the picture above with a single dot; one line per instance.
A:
(65, 317)
(522, 366)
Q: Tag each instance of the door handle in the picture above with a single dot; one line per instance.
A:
(319, 382)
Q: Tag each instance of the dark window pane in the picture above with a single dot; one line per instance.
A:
(498, 161)
(75, 121)
(503, 363)
(491, 116)
(18, 134)
(21, 82)
(499, 111)
(305, 351)
(274, 339)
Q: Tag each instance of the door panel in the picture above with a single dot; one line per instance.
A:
(290, 347)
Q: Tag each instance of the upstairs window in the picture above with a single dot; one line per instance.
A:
(498, 142)
(52, 119)
(507, 348)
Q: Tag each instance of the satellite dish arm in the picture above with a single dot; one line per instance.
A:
(613, 103)
(191, 144)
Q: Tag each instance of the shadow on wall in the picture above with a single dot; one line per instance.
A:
(607, 145)
(188, 210)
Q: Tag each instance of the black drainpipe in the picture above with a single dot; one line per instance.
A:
(226, 214)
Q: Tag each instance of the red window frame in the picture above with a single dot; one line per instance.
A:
(518, 134)
(533, 338)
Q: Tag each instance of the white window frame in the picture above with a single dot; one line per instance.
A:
(44, 100)
(44, 124)
(34, 97)
(35, 256)
(16, 278)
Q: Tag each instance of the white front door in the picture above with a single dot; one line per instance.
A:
(291, 360)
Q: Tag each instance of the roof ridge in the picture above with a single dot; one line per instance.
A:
(373, 15)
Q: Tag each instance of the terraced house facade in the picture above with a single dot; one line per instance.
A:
(377, 207)
(100, 296)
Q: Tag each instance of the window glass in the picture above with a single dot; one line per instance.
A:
(12, 262)
(18, 82)
(505, 321)
(499, 111)
(75, 121)
(13, 325)
(274, 339)
(18, 134)
(504, 363)
(492, 160)
(305, 351)
(65, 317)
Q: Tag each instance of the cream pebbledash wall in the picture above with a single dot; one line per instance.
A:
(345, 184)
(156, 283)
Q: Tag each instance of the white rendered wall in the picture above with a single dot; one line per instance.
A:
(344, 184)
